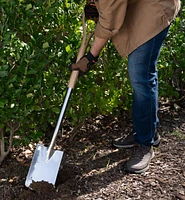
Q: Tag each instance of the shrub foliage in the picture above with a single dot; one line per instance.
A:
(38, 40)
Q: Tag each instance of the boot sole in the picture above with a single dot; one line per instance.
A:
(121, 146)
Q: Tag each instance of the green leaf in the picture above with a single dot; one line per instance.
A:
(32, 71)
(1, 104)
(68, 48)
(37, 108)
(45, 45)
(56, 110)
(4, 67)
(29, 6)
(3, 74)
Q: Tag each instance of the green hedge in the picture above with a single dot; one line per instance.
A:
(172, 60)
(38, 40)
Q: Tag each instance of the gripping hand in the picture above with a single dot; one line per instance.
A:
(84, 64)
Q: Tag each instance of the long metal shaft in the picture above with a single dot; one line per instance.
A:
(61, 116)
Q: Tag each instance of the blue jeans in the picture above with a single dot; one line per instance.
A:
(144, 80)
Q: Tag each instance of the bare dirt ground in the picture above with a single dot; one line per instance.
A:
(92, 169)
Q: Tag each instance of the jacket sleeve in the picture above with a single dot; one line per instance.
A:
(111, 17)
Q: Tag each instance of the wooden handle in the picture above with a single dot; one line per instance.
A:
(73, 78)
(83, 47)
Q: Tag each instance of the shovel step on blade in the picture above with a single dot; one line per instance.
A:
(41, 169)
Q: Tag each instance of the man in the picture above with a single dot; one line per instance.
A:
(137, 28)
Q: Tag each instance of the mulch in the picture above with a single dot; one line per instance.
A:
(92, 169)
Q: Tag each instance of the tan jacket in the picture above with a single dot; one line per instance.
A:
(130, 23)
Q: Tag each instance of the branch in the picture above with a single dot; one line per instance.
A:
(14, 126)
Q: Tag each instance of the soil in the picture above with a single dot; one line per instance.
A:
(92, 169)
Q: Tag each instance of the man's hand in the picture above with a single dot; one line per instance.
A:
(84, 64)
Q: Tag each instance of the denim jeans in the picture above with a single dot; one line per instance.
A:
(144, 80)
